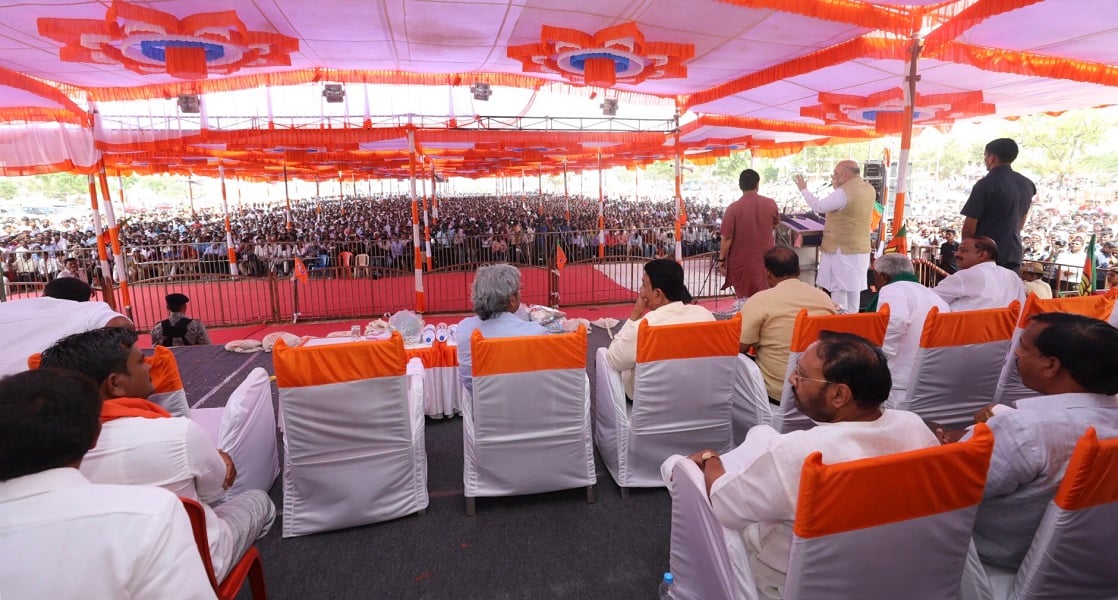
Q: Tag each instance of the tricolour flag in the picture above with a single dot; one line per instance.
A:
(1087, 281)
(560, 257)
(899, 243)
(878, 212)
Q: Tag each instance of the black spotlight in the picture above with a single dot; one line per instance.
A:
(190, 103)
(333, 92)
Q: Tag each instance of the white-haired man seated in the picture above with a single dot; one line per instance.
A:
(496, 298)
(909, 302)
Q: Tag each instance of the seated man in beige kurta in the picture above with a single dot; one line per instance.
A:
(768, 317)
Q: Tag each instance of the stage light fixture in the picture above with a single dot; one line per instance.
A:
(481, 91)
(190, 103)
(609, 107)
(333, 92)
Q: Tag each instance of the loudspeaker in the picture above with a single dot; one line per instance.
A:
(873, 172)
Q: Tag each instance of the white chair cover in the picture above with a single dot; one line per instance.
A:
(683, 390)
(958, 362)
(1009, 388)
(805, 332)
(169, 391)
(246, 429)
(1072, 554)
(527, 428)
(751, 399)
(353, 435)
(895, 526)
(700, 560)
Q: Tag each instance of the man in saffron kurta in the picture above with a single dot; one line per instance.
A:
(747, 232)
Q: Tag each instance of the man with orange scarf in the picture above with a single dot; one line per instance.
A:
(141, 444)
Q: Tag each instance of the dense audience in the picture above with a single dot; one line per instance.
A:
(479, 228)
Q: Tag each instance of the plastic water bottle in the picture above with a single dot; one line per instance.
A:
(667, 587)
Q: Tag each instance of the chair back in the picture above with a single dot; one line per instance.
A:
(805, 332)
(169, 390)
(893, 526)
(248, 433)
(700, 560)
(354, 449)
(1072, 554)
(248, 566)
(683, 391)
(957, 364)
(527, 427)
(1009, 388)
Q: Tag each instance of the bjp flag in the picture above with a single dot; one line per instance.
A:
(560, 257)
(300, 270)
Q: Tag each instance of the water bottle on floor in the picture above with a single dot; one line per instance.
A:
(667, 587)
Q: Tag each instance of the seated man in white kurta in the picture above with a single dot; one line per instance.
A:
(62, 536)
(909, 302)
(980, 283)
(841, 382)
(665, 297)
(142, 444)
(496, 297)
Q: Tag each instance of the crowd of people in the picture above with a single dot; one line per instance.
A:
(479, 228)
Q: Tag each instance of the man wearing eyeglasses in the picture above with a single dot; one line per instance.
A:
(841, 382)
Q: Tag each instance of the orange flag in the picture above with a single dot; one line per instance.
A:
(560, 257)
(300, 270)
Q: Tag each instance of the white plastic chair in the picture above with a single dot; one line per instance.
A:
(353, 439)
(683, 389)
(526, 429)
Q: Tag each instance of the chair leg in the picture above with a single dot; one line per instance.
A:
(471, 507)
(256, 580)
(591, 494)
(624, 493)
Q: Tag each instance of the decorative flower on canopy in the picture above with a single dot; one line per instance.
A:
(885, 110)
(614, 54)
(147, 41)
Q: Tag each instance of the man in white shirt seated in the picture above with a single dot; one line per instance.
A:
(980, 282)
(141, 444)
(665, 297)
(909, 302)
(496, 298)
(1069, 360)
(64, 537)
(32, 324)
(841, 382)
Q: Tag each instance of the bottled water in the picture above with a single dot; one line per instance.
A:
(667, 587)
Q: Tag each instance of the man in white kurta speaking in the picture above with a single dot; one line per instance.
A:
(841, 382)
(845, 251)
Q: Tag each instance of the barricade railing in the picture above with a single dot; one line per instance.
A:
(368, 278)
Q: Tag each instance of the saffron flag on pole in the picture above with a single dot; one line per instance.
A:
(560, 257)
(300, 271)
(1087, 281)
(899, 243)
